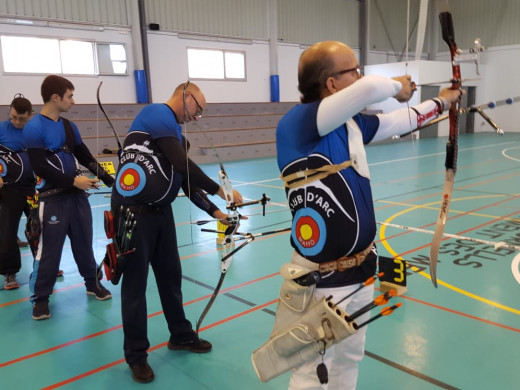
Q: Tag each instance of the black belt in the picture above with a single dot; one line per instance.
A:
(59, 191)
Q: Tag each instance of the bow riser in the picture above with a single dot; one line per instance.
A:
(448, 35)
(452, 145)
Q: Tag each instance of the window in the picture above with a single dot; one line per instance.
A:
(30, 55)
(77, 57)
(111, 58)
(216, 64)
(61, 56)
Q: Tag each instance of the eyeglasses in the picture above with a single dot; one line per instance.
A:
(357, 68)
(21, 119)
(200, 110)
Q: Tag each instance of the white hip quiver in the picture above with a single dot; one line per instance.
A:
(304, 327)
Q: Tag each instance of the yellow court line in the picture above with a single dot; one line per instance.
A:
(429, 207)
(382, 236)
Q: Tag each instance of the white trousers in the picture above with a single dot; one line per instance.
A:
(341, 359)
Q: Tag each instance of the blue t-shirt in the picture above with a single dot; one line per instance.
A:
(334, 216)
(14, 162)
(144, 175)
(44, 133)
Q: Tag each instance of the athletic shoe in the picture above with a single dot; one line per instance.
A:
(10, 282)
(195, 345)
(142, 372)
(41, 310)
(100, 292)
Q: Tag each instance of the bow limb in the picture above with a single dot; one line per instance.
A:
(452, 144)
(211, 300)
(233, 219)
(119, 147)
(225, 258)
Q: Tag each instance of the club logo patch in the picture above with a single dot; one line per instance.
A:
(3, 168)
(130, 180)
(40, 183)
(309, 231)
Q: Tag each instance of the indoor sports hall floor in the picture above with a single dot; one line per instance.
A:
(463, 335)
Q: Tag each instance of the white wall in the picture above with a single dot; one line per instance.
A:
(499, 72)
(169, 68)
(500, 80)
(422, 72)
(288, 57)
(116, 89)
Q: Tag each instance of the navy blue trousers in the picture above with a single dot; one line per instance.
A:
(68, 215)
(155, 242)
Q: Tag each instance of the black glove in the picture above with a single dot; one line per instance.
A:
(107, 179)
(101, 174)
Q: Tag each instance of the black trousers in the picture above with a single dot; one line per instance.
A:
(13, 202)
(155, 242)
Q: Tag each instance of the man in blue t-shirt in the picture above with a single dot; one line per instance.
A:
(153, 167)
(16, 183)
(55, 147)
(321, 155)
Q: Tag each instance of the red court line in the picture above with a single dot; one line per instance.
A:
(56, 347)
(256, 308)
(161, 345)
(455, 189)
(53, 291)
(379, 208)
(447, 238)
(462, 215)
(72, 342)
(241, 285)
(81, 284)
(431, 173)
(461, 313)
(238, 315)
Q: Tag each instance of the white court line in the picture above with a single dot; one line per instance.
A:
(440, 153)
(509, 157)
(515, 269)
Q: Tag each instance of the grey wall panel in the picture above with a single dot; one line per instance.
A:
(494, 22)
(388, 20)
(235, 18)
(106, 12)
(309, 21)
(299, 21)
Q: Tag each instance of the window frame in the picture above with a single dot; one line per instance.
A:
(98, 72)
(94, 54)
(223, 51)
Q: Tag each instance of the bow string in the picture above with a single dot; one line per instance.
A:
(233, 217)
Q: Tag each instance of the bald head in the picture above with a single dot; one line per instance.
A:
(317, 63)
(193, 88)
(187, 102)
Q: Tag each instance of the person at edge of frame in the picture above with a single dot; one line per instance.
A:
(154, 165)
(17, 181)
(327, 129)
(55, 147)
